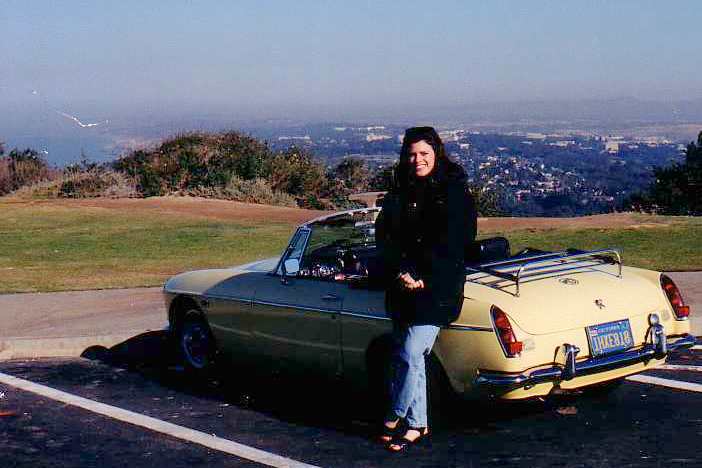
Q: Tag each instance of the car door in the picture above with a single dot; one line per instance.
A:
(296, 318)
(297, 324)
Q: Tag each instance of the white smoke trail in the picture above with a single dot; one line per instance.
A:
(81, 124)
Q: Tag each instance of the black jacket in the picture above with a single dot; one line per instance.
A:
(425, 230)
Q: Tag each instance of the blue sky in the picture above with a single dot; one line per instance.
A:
(301, 58)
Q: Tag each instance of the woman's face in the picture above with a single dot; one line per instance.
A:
(422, 158)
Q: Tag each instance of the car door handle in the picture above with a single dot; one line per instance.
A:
(330, 297)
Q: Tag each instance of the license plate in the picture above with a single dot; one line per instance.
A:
(609, 337)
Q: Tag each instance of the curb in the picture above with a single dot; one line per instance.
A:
(34, 348)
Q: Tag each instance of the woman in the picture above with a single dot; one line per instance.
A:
(427, 223)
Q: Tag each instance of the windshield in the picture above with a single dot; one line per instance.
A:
(340, 244)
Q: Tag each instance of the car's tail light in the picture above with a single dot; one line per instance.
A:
(681, 310)
(505, 334)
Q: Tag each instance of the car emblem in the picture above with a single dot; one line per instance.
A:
(568, 281)
(599, 303)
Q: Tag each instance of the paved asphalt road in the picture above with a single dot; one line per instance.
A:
(322, 424)
(313, 422)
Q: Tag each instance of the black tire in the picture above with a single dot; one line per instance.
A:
(195, 343)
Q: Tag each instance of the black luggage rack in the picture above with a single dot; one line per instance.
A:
(517, 269)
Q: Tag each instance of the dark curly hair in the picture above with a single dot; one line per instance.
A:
(404, 175)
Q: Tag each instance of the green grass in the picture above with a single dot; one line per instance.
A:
(59, 248)
(47, 247)
(676, 246)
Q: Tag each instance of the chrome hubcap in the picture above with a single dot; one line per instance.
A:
(195, 344)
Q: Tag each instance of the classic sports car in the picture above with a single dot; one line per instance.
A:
(530, 323)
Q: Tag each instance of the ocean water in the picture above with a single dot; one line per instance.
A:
(61, 151)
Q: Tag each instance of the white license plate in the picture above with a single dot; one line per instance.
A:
(609, 337)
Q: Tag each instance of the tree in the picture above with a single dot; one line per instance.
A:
(693, 161)
(354, 174)
(21, 167)
(677, 189)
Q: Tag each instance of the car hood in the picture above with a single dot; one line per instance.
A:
(199, 281)
(557, 303)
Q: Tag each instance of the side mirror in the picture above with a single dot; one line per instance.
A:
(291, 266)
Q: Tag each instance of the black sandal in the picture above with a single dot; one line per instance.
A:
(400, 444)
(388, 433)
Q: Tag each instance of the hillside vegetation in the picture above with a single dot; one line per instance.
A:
(225, 165)
(676, 190)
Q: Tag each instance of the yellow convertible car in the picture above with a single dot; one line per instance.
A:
(530, 323)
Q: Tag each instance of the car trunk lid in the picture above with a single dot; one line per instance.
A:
(576, 299)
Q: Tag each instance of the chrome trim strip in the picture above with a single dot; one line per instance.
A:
(543, 265)
(207, 296)
(590, 366)
(342, 213)
(227, 298)
(455, 326)
(388, 319)
(301, 229)
(295, 306)
(181, 291)
(531, 265)
(374, 317)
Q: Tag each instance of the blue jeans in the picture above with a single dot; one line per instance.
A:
(408, 388)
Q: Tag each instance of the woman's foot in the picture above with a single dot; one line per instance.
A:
(388, 430)
(413, 436)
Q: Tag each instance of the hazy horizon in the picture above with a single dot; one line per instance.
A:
(150, 63)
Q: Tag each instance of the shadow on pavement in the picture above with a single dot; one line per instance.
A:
(302, 400)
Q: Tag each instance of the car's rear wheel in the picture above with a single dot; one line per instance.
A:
(195, 343)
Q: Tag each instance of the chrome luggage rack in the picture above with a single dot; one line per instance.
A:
(543, 265)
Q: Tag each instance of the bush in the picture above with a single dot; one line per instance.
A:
(257, 190)
(235, 167)
(193, 160)
(20, 168)
(96, 182)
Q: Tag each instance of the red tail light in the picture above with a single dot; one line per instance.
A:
(509, 342)
(681, 310)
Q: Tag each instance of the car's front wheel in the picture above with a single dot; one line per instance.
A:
(195, 343)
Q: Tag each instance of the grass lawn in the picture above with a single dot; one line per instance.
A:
(54, 247)
(669, 247)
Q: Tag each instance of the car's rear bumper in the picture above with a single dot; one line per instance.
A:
(572, 368)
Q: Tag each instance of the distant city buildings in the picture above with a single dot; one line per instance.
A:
(564, 172)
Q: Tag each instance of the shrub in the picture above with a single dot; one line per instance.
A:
(236, 167)
(96, 182)
(21, 168)
(193, 160)
(257, 190)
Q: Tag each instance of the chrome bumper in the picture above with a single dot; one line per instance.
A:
(658, 349)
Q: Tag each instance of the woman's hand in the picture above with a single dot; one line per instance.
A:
(410, 283)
